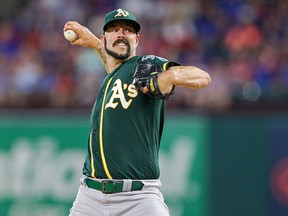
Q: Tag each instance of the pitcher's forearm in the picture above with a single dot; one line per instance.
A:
(185, 76)
(87, 39)
(99, 49)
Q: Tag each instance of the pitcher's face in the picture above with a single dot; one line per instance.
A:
(120, 40)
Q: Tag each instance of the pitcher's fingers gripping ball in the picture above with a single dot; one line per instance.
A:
(70, 35)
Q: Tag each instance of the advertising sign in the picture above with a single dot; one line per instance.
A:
(41, 161)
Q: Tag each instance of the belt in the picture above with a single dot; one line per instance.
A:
(110, 186)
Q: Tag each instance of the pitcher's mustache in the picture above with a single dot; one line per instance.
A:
(125, 41)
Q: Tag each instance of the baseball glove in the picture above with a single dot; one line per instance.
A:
(146, 74)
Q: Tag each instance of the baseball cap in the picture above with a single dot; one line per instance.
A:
(120, 14)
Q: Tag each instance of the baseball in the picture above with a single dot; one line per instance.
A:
(70, 35)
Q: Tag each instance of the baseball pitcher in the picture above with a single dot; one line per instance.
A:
(121, 170)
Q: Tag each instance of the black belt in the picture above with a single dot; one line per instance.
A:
(110, 186)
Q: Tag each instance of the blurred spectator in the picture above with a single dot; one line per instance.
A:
(243, 44)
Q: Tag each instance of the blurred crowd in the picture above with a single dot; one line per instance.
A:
(242, 44)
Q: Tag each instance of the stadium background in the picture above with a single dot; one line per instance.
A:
(225, 149)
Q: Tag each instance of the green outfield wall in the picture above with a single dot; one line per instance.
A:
(210, 165)
(41, 159)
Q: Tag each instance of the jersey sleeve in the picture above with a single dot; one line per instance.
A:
(163, 63)
(169, 64)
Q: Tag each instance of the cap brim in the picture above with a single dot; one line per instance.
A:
(135, 24)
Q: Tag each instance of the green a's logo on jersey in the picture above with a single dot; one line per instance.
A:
(118, 93)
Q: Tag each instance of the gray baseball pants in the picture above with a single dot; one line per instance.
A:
(147, 202)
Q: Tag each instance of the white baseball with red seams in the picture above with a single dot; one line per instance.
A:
(70, 35)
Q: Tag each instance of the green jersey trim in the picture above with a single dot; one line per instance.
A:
(91, 156)
(101, 132)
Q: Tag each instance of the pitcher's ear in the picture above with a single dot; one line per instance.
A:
(103, 38)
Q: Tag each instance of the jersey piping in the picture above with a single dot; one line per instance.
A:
(164, 67)
(101, 133)
(91, 156)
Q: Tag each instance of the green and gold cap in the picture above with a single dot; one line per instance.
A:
(120, 14)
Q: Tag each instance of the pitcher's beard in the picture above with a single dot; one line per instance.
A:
(117, 55)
